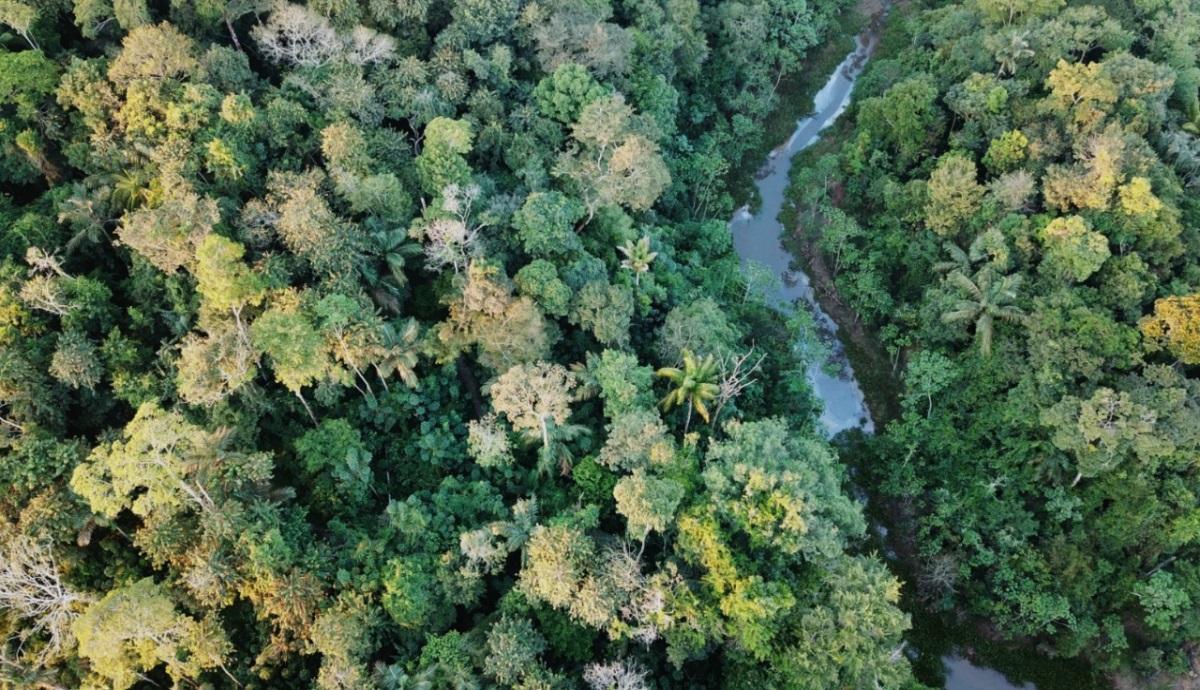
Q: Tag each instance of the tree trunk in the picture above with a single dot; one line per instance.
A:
(307, 409)
(467, 378)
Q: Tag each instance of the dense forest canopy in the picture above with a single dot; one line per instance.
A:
(401, 344)
(1014, 207)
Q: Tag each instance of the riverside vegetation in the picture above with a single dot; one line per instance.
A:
(1012, 208)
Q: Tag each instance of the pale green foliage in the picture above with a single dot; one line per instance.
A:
(352, 168)
(75, 361)
(136, 628)
(1072, 250)
(513, 648)
(622, 382)
(539, 281)
(345, 635)
(617, 165)
(306, 223)
(1104, 431)
(297, 350)
(131, 14)
(90, 15)
(566, 92)
(927, 374)
(20, 17)
(782, 491)
(700, 326)
(545, 224)
(507, 330)
(636, 438)
(852, 637)
(224, 281)
(487, 442)
(954, 194)
(1164, 601)
(169, 234)
(530, 395)
(906, 118)
(647, 502)
(213, 366)
(410, 594)
(441, 162)
(486, 549)
(605, 310)
(162, 465)
(154, 52)
(556, 571)
(1008, 11)
(577, 33)
(1006, 151)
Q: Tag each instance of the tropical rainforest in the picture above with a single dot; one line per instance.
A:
(401, 344)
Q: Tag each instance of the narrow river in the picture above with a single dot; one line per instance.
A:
(756, 238)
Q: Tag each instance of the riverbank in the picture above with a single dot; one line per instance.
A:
(864, 351)
(796, 94)
(875, 370)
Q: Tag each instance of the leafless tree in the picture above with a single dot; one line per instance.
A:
(939, 577)
(366, 47)
(453, 241)
(615, 675)
(737, 374)
(31, 586)
(297, 35)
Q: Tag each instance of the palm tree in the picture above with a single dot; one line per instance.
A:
(959, 260)
(555, 450)
(398, 352)
(1014, 52)
(129, 189)
(986, 298)
(382, 268)
(638, 257)
(963, 261)
(80, 212)
(695, 384)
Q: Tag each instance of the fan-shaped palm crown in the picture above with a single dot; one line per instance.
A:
(694, 385)
(985, 298)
